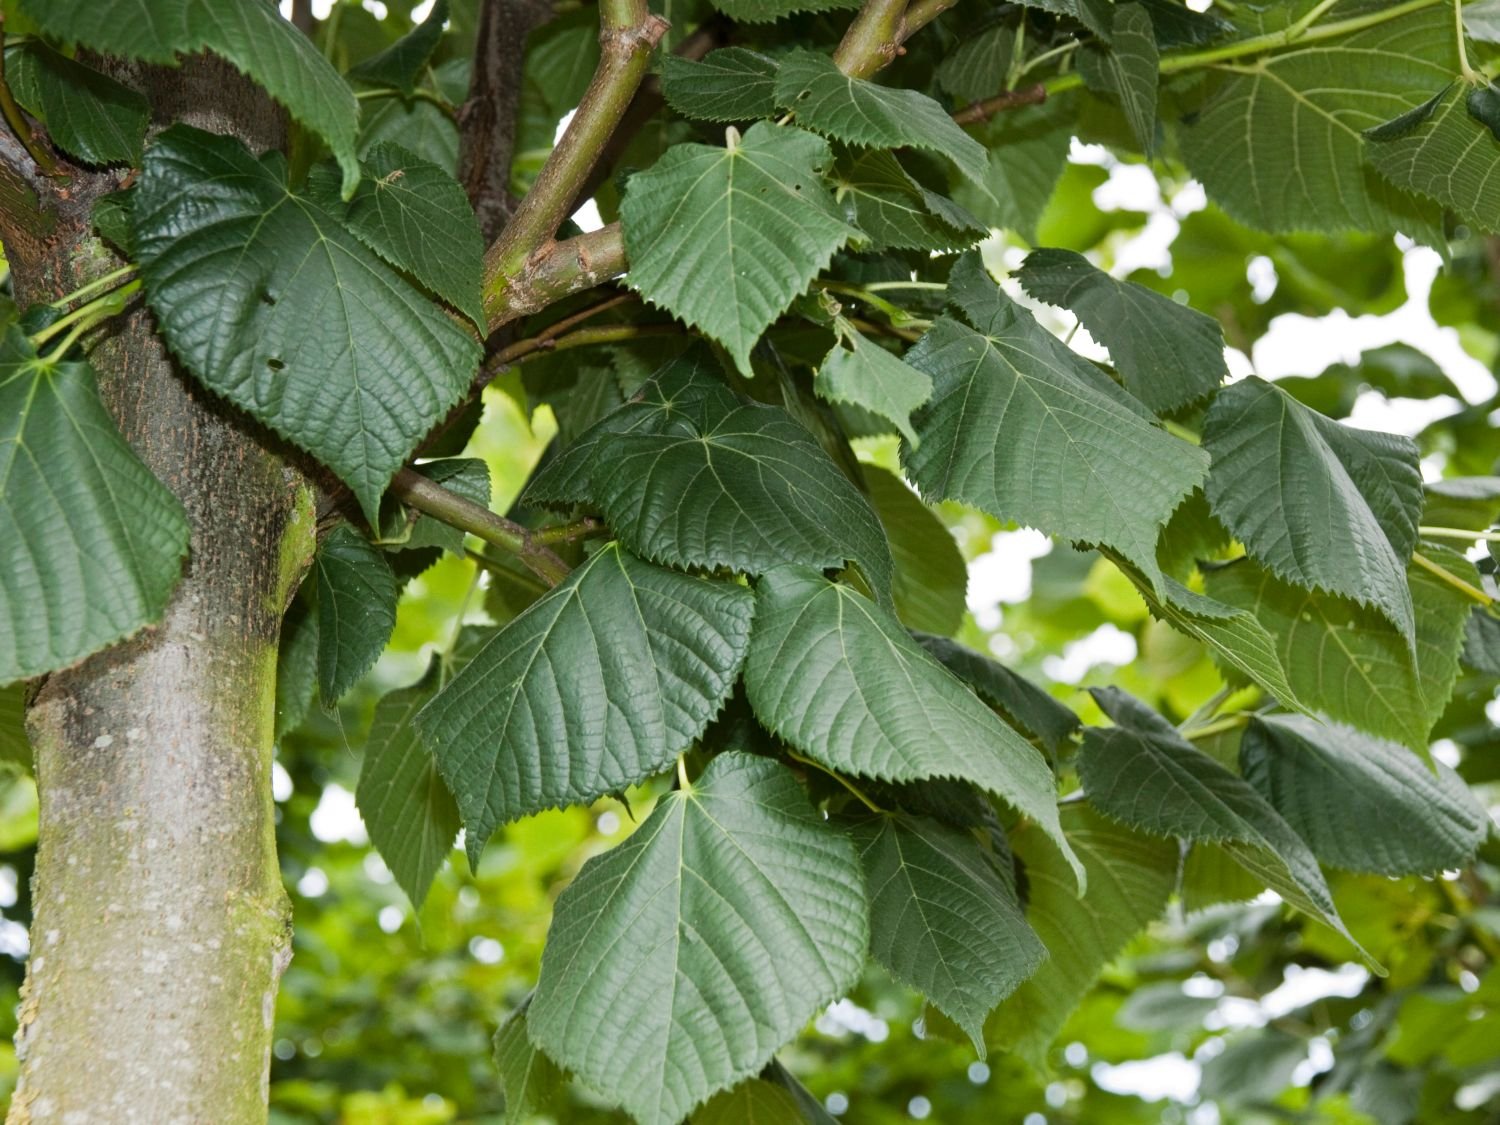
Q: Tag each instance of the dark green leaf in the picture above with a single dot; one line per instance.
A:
(717, 930)
(941, 919)
(1254, 1068)
(1482, 643)
(1168, 354)
(837, 677)
(865, 375)
(401, 64)
(725, 238)
(1452, 157)
(1026, 152)
(356, 610)
(1025, 429)
(730, 84)
(688, 475)
(15, 746)
(1274, 138)
(88, 115)
(976, 68)
(1324, 506)
(859, 112)
(1406, 122)
(895, 211)
(530, 1079)
(415, 216)
(1335, 785)
(410, 815)
(1130, 878)
(1471, 503)
(1126, 69)
(598, 685)
(1022, 702)
(753, 1102)
(1141, 772)
(931, 576)
(764, 11)
(91, 544)
(272, 304)
(151, 30)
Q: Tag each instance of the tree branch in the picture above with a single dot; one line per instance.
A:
(487, 119)
(873, 39)
(517, 262)
(1035, 94)
(433, 499)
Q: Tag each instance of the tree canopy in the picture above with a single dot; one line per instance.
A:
(654, 525)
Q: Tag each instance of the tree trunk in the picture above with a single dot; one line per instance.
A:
(161, 927)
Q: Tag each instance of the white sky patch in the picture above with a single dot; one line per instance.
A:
(375, 8)
(845, 1016)
(422, 11)
(587, 217)
(1165, 1076)
(1107, 644)
(336, 818)
(1002, 575)
(281, 783)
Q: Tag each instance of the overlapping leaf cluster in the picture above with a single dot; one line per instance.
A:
(759, 645)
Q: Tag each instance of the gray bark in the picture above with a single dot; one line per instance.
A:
(161, 927)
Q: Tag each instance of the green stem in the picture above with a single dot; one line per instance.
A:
(98, 283)
(840, 778)
(682, 778)
(1046, 56)
(882, 286)
(628, 33)
(433, 499)
(17, 120)
(1468, 72)
(584, 528)
(88, 314)
(1259, 44)
(1459, 533)
(421, 93)
(1218, 726)
(1470, 591)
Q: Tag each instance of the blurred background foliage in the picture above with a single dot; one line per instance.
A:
(1237, 1013)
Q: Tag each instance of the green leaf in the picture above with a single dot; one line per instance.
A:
(1126, 69)
(356, 610)
(1351, 663)
(976, 68)
(1451, 156)
(1253, 1069)
(596, 686)
(1324, 506)
(91, 544)
(1278, 144)
(251, 36)
(411, 816)
(895, 211)
(415, 216)
(931, 575)
(89, 116)
(1472, 503)
(688, 475)
(859, 112)
(1332, 784)
(764, 11)
(811, 1110)
(837, 677)
(715, 931)
(401, 64)
(725, 238)
(530, 1079)
(15, 745)
(297, 661)
(730, 84)
(1026, 152)
(941, 919)
(151, 30)
(1406, 122)
(1482, 20)
(1022, 702)
(1233, 635)
(1026, 430)
(1168, 354)
(1130, 878)
(863, 374)
(1141, 772)
(272, 304)
(753, 1102)
(1482, 643)
(269, 50)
